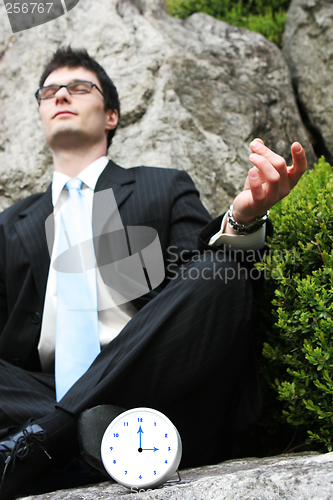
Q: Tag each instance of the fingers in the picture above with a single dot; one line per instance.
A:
(252, 202)
(272, 166)
(272, 171)
(258, 147)
(300, 163)
(256, 185)
(289, 176)
(275, 184)
(269, 182)
(258, 139)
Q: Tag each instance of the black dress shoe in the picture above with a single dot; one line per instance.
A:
(91, 426)
(23, 454)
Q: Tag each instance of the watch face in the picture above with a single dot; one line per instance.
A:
(141, 448)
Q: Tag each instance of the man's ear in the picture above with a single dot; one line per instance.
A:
(111, 119)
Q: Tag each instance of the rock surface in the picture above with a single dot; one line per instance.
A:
(194, 93)
(298, 477)
(308, 49)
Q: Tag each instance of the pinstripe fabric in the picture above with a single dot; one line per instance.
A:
(23, 395)
(191, 340)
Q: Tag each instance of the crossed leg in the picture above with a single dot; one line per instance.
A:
(187, 353)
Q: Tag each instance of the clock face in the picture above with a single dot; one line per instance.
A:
(141, 448)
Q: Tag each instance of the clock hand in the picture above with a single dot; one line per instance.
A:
(150, 449)
(140, 431)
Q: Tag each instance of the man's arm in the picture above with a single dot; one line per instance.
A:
(267, 182)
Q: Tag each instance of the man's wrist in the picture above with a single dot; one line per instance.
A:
(230, 240)
(242, 226)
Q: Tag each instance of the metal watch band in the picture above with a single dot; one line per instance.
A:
(240, 228)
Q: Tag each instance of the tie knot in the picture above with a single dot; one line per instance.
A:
(74, 187)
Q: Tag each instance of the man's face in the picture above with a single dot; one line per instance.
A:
(76, 120)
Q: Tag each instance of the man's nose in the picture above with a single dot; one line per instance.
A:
(62, 94)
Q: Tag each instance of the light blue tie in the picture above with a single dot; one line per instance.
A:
(77, 341)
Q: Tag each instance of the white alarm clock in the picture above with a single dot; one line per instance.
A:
(141, 448)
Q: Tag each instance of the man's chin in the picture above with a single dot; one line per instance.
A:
(67, 138)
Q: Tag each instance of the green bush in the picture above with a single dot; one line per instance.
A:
(298, 347)
(267, 17)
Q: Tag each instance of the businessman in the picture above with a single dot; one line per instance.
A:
(182, 347)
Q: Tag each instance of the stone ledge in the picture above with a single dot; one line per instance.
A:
(290, 477)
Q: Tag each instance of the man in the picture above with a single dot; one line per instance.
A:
(183, 348)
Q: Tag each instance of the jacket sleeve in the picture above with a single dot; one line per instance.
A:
(187, 218)
(191, 226)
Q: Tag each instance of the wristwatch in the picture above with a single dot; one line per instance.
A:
(241, 229)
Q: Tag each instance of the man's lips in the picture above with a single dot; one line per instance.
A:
(65, 112)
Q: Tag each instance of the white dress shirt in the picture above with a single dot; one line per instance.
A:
(244, 242)
(113, 319)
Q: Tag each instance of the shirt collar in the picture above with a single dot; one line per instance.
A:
(89, 176)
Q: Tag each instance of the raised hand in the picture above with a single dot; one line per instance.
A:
(267, 182)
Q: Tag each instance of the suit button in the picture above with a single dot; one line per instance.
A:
(17, 362)
(36, 317)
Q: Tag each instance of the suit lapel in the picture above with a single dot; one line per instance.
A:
(108, 229)
(31, 226)
(119, 179)
(31, 230)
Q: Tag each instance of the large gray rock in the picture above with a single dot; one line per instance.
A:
(285, 477)
(308, 49)
(194, 93)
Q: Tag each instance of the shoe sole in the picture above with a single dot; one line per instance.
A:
(92, 425)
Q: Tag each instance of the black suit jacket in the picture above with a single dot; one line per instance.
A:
(165, 199)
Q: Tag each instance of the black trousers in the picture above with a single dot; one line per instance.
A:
(187, 353)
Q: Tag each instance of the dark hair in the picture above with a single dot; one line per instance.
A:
(74, 58)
